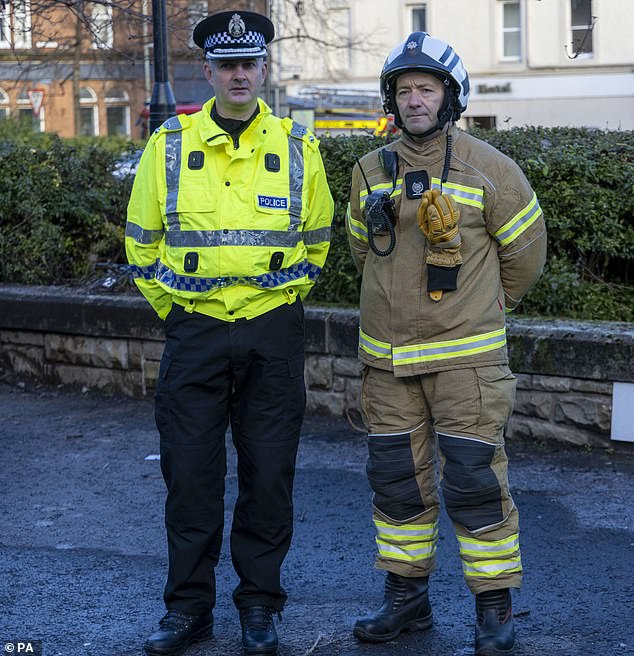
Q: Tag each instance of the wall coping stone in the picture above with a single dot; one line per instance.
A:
(594, 350)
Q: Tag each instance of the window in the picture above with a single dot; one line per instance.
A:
(5, 27)
(483, 122)
(15, 24)
(581, 24)
(511, 31)
(419, 18)
(88, 113)
(117, 112)
(4, 104)
(101, 26)
(25, 111)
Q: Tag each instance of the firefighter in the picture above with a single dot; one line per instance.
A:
(449, 236)
(228, 229)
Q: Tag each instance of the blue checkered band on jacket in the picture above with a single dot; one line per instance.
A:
(195, 284)
(249, 38)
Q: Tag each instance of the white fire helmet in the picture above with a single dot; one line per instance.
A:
(424, 53)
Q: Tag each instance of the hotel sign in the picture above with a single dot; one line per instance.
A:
(494, 88)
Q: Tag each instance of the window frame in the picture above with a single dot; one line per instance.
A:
(121, 101)
(11, 15)
(411, 8)
(23, 102)
(102, 27)
(572, 28)
(504, 30)
(89, 102)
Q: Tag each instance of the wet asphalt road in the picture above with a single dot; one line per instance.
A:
(83, 554)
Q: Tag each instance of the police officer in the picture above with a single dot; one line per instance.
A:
(449, 236)
(228, 229)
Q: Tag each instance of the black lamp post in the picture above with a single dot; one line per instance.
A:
(162, 103)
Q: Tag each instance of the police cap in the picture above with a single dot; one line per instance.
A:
(234, 35)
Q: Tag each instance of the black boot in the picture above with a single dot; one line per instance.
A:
(177, 631)
(405, 607)
(259, 637)
(494, 632)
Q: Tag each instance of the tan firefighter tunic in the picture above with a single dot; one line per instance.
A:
(503, 248)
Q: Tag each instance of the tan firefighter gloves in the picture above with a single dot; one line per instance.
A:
(438, 219)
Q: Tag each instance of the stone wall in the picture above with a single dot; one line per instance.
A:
(113, 343)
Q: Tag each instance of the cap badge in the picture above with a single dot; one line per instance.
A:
(237, 28)
(411, 45)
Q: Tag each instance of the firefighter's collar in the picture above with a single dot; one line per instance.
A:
(428, 152)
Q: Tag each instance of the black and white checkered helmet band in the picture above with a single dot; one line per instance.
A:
(221, 45)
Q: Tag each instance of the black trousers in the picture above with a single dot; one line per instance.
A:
(249, 373)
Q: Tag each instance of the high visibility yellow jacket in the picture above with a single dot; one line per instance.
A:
(503, 249)
(231, 230)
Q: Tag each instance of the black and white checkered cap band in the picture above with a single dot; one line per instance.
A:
(249, 42)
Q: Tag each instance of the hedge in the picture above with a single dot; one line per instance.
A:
(62, 214)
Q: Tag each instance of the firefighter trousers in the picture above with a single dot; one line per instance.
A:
(249, 374)
(443, 430)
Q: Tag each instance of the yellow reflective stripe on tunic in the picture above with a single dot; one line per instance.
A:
(383, 185)
(406, 532)
(473, 196)
(520, 222)
(409, 552)
(374, 346)
(454, 348)
(473, 547)
(492, 568)
(356, 228)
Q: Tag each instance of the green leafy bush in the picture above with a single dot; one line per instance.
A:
(62, 213)
(61, 210)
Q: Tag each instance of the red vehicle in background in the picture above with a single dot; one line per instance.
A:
(144, 116)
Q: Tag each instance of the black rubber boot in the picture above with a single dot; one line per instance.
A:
(259, 637)
(176, 632)
(494, 632)
(405, 607)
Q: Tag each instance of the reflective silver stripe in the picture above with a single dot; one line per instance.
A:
(173, 145)
(406, 532)
(461, 193)
(451, 348)
(491, 568)
(374, 346)
(142, 236)
(472, 547)
(296, 173)
(520, 222)
(318, 236)
(207, 238)
(414, 551)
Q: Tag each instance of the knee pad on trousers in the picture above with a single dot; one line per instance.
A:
(471, 490)
(392, 476)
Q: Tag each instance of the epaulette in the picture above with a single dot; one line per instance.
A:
(174, 124)
(298, 131)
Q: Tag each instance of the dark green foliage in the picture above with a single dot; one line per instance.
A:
(62, 212)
